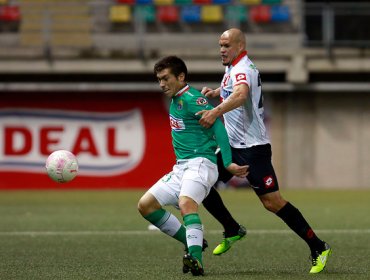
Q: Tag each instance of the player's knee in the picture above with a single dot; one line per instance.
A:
(146, 205)
(187, 206)
(273, 205)
(141, 206)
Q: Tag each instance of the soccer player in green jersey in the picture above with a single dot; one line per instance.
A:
(195, 171)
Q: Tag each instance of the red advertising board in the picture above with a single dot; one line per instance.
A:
(121, 139)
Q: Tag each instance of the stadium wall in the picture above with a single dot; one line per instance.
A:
(321, 139)
(121, 139)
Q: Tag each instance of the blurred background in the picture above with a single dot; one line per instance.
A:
(77, 75)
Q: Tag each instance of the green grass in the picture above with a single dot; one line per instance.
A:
(100, 235)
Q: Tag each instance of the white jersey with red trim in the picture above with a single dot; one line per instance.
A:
(244, 125)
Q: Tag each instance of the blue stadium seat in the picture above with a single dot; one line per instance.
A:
(280, 13)
(144, 2)
(190, 14)
(221, 2)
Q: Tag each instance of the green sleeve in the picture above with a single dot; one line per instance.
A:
(223, 141)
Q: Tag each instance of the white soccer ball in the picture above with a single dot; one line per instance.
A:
(62, 166)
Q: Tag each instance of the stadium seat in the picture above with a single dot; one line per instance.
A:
(147, 13)
(120, 14)
(190, 14)
(271, 2)
(202, 2)
(211, 13)
(183, 2)
(260, 14)
(3, 2)
(127, 2)
(10, 13)
(250, 2)
(144, 2)
(280, 13)
(221, 2)
(237, 13)
(168, 14)
(163, 2)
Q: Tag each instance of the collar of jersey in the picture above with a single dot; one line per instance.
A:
(181, 91)
(239, 57)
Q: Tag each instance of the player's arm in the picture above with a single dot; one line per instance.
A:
(211, 93)
(235, 100)
(223, 142)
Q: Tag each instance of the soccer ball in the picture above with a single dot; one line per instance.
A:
(62, 166)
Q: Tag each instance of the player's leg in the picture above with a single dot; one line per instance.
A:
(199, 177)
(213, 203)
(262, 177)
(150, 207)
(193, 259)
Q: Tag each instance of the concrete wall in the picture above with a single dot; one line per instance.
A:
(321, 140)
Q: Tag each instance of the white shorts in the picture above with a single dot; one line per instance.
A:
(193, 178)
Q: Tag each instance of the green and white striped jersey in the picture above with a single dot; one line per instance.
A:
(189, 138)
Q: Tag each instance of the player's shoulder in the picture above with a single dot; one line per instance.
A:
(195, 97)
(244, 65)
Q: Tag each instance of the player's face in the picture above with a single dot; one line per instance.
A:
(229, 49)
(169, 83)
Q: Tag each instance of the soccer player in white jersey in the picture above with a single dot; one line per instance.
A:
(195, 172)
(242, 109)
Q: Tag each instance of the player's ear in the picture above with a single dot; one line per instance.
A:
(181, 77)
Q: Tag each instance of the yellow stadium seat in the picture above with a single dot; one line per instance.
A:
(163, 2)
(120, 14)
(250, 2)
(211, 14)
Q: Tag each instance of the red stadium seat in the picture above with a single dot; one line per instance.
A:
(127, 2)
(260, 14)
(10, 13)
(168, 14)
(202, 2)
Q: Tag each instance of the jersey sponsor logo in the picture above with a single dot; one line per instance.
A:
(176, 124)
(225, 80)
(269, 182)
(202, 101)
(240, 77)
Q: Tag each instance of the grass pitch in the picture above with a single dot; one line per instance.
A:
(100, 235)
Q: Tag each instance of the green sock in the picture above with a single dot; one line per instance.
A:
(168, 224)
(194, 235)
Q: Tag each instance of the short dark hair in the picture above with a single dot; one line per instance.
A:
(174, 63)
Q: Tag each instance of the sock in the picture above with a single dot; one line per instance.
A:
(168, 224)
(295, 220)
(214, 205)
(194, 235)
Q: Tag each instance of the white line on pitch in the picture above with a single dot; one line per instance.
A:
(146, 232)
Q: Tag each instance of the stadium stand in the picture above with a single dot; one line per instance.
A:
(55, 23)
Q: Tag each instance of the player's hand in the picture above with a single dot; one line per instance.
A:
(208, 92)
(208, 118)
(238, 171)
